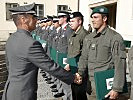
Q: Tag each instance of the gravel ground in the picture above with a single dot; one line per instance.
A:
(44, 90)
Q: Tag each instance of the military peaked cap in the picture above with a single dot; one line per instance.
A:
(55, 19)
(100, 10)
(26, 9)
(43, 20)
(76, 14)
(63, 13)
(49, 18)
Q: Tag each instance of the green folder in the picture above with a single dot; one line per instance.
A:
(104, 82)
(61, 56)
(42, 41)
(72, 62)
(38, 38)
(127, 43)
(34, 35)
(73, 69)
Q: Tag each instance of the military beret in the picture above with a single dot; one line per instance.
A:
(63, 13)
(55, 19)
(26, 9)
(76, 14)
(100, 10)
(43, 20)
(49, 18)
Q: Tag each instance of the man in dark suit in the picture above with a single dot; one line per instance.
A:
(25, 56)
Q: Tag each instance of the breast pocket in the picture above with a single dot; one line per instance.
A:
(103, 52)
(92, 52)
(64, 40)
(76, 43)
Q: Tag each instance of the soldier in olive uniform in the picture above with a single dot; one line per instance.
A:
(74, 51)
(102, 50)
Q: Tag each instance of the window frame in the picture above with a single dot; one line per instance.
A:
(38, 10)
(8, 13)
(62, 8)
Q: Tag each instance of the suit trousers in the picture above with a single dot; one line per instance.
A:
(79, 92)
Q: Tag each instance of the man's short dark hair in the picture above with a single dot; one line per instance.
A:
(107, 15)
(16, 19)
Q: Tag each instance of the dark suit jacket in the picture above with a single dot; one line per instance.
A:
(25, 56)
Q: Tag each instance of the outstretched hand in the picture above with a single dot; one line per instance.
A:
(78, 79)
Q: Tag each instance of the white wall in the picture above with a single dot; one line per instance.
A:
(50, 8)
(83, 8)
(51, 5)
(124, 20)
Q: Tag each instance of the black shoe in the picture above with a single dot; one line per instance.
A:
(49, 82)
(59, 95)
(41, 71)
(54, 90)
(48, 79)
(53, 86)
(44, 74)
(45, 77)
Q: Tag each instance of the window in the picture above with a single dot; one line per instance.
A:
(8, 13)
(62, 8)
(39, 10)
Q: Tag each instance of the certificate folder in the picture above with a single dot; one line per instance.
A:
(104, 83)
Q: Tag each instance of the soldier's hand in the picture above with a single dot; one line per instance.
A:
(67, 68)
(78, 79)
(112, 95)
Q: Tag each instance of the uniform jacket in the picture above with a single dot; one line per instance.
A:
(104, 51)
(64, 36)
(75, 42)
(24, 57)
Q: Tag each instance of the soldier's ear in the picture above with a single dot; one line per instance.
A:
(80, 21)
(22, 19)
(105, 18)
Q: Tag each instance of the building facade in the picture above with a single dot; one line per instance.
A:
(120, 17)
(121, 13)
(43, 8)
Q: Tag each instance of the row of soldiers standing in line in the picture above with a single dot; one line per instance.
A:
(63, 43)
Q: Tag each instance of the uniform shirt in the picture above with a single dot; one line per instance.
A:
(55, 38)
(64, 36)
(104, 51)
(75, 42)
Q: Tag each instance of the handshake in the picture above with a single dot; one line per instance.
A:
(78, 79)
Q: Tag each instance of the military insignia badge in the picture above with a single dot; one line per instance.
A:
(71, 42)
(71, 16)
(63, 35)
(93, 46)
(56, 37)
(65, 27)
(101, 10)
